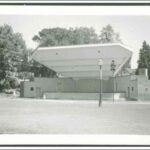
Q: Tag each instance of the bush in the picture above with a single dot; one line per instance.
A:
(6, 84)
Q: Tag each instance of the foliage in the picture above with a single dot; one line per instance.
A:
(61, 36)
(12, 47)
(144, 57)
(108, 35)
(75, 36)
(7, 84)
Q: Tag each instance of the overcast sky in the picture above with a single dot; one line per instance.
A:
(133, 29)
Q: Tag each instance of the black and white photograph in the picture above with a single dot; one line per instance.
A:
(75, 70)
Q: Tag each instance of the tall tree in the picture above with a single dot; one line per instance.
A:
(12, 46)
(61, 36)
(144, 57)
(108, 35)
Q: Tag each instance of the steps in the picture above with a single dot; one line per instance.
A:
(83, 96)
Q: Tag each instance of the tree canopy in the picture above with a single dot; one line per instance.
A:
(12, 48)
(108, 35)
(75, 36)
(61, 36)
(144, 57)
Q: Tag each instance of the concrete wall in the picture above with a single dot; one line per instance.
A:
(28, 92)
(39, 86)
(135, 87)
(127, 84)
(92, 86)
(143, 88)
(84, 96)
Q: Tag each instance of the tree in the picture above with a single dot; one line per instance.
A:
(12, 46)
(108, 35)
(61, 36)
(144, 57)
(3, 65)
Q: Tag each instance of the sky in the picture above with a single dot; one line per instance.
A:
(133, 29)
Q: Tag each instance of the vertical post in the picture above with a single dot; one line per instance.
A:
(113, 68)
(100, 82)
(100, 86)
(113, 86)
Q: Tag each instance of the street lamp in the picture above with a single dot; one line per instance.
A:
(113, 69)
(100, 63)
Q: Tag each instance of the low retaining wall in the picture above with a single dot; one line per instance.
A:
(83, 96)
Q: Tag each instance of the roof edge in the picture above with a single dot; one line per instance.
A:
(84, 45)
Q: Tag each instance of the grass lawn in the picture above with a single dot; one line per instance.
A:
(19, 116)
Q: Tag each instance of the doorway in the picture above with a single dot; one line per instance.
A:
(38, 92)
(128, 92)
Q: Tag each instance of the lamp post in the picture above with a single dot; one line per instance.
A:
(100, 63)
(113, 68)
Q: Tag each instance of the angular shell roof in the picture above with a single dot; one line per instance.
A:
(82, 60)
